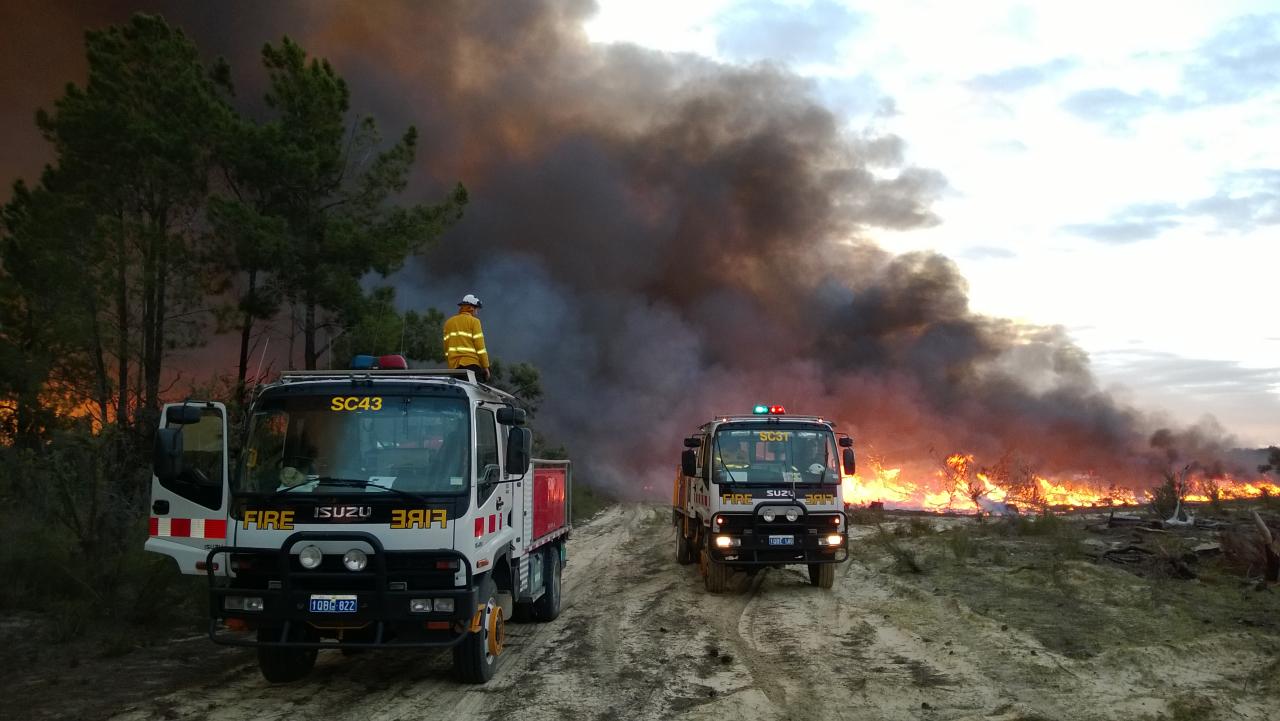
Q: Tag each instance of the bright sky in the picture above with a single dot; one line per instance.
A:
(1113, 166)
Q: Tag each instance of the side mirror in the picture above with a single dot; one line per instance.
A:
(689, 463)
(846, 442)
(167, 454)
(519, 450)
(183, 415)
(850, 463)
(509, 416)
(692, 442)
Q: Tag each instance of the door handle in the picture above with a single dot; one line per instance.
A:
(499, 504)
(160, 508)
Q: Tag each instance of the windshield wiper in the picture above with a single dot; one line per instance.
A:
(345, 483)
(358, 483)
(720, 458)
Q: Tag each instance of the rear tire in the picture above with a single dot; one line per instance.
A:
(547, 607)
(716, 574)
(474, 659)
(684, 547)
(822, 575)
(284, 665)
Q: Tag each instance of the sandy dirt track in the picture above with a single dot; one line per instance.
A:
(639, 638)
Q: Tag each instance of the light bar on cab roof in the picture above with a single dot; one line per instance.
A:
(763, 410)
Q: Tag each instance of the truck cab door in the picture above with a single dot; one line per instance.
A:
(189, 500)
(494, 496)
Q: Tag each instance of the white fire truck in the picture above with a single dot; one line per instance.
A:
(762, 490)
(364, 509)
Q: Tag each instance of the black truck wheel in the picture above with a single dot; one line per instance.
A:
(547, 607)
(284, 665)
(476, 659)
(684, 547)
(715, 574)
(822, 575)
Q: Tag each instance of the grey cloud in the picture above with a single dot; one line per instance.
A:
(1023, 77)
(854, 96)
(1111, 106)
(987, 252)
(1247, 200)
(1122, 231)
(1241, 61)
(769, 30)
(1238, 63)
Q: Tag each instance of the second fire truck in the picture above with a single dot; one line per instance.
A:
(762, 490)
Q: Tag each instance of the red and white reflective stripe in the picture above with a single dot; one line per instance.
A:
(214, 528)
(495, 524)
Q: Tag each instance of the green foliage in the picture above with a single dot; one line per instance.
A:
(1167, 497)
(72, 526)
(587, 502)
(961, 544)
(334, 192)
(905, 560)
(162, 210)
(1273, 461)
(521, 380)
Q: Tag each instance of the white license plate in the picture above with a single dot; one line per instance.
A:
(321, 603)
(781, 540)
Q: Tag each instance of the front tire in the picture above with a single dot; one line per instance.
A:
(822, 575)
(715, 574)
(284, 665)
(547, 607)
(476, 659)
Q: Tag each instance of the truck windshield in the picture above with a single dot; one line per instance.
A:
(774, 455)
(418, 444)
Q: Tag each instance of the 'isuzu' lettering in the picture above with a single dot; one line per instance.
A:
(343, 513)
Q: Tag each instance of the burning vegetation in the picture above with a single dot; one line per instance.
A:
(960, 485)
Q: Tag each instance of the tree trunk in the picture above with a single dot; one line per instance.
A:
(122, 322)
(309, 334)
(155, 351)
(102, 383)
(246, 332)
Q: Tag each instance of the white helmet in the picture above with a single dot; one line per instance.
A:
(470, 299)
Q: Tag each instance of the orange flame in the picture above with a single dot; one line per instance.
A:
(960, 487)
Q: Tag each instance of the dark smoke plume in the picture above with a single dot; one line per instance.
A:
(667, 238)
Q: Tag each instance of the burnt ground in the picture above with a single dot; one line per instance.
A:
(931, 619)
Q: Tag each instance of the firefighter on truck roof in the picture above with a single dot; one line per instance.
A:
(464, 339)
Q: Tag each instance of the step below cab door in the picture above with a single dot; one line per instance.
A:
(189, 490)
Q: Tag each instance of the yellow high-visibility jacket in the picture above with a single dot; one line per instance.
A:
(464, 342)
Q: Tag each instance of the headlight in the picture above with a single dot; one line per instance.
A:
(768, 516)
(832, 540)
(310, 557)
(792, 515)
(727, 541)
(355, 560)
(420, 605)
(444, 605)
(242, 603)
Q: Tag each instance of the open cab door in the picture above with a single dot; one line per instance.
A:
(189, 494)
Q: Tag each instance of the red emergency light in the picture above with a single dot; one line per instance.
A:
(392, 363)
(763, 410)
